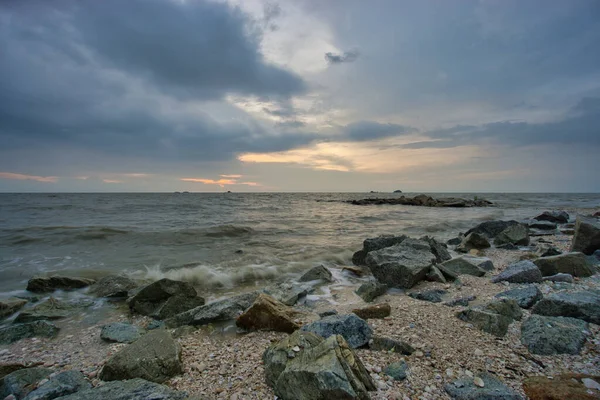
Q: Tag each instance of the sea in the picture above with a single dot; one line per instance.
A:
(225, 242)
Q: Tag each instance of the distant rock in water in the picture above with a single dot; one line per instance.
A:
(52, 283)
(424, 201)
(398, 191)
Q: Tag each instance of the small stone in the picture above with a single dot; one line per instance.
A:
(478, 382)
(296, 349)
(590, 383)
(419, 353)
(469, 373)
(449, 373)
(478, 352)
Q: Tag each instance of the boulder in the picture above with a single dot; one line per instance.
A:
(317, 273)
(402, 265)
(542, 225)
(583, 304)
(435, 275)
(381, 310)
(330, 370)
(521, 272)
(134, 389)
(113, 286)
(354, 329)
(455, 241)
(120, 332)
(486, 321)
(10, 306)
(372, 244)
(566, 278)
(559, 217)
(575, 264)
(60, 385)
(517, 235)
(547, 251)
(560, 387)
(463, 266)
(368, 291)
(14, 333)
(587, 235)
(155, 357)
(290, 293)
(267, 314)
(460, 301)
(507, 307)
(9, 368)
(52, 283)
(433, 295)
(23, 381)
(493, 389)
(381, 343)
(447, 273)
(492, 229)
(473, 240)
(439, 250)
(525, 297)
(164, 298)
(553, 335)
(220, 310)
(396, 370)
(53, 309)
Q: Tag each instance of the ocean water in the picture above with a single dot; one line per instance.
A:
(223, 241)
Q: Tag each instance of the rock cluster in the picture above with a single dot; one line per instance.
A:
(424, 201)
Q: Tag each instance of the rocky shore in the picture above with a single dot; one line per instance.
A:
(507, 310)
(423, 201)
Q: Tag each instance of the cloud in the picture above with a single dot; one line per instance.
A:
(111, 181)
(231, 176)
(369, 130)
(23, 177)
(346, 57)
(224, 181)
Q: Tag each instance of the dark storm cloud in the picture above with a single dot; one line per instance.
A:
(349, 56)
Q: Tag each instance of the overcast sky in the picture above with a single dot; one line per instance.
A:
(300, 95)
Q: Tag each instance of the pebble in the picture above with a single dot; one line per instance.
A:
(419, 353)
(478, 352)
(468, 373)
(449, 373)
(478, 382)
(296, 349)
(590, 383)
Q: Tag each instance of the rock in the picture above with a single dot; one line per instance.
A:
(591, 383)
(155, 324)
(486, 321)
(354, 329)
(13, 333)
(435, 275)
(517, 235)
(52, 283)
(507, 307)
(560, 387)
(473, 240)
(221, 310)
(381, 310)
(463, 266)
(10, 306)
(584, 305)
(460, 301)
(317, 273)
(60, 385)
(455, 241)
(542, 225)
(548, 251)
(268, 314)
(134, 389)
(553, 335)
(493, 389)
(9, 368)
(183, 331)
(373, 244)
(433, 295)
(368, 291)
(164, 298)
(559, 217)
(52, 309)
(112, 286)
(121, 332)
(354, 270)
(567, 278)
(397, 370)
(21, 382)
(447, 273)
(587, 235)
(155, 357)
(327, 313)
(402, 265)
(482, 262)
(329, 370)
(380, 343)
(521, 272)
(439, 250)
(525, 297)
(289, 293)
(492, 229)
(575, 264)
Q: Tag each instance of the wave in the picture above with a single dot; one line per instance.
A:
(229, 231)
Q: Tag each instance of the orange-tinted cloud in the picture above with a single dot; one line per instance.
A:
(220, 182)
(111, 181)
(250, 183)
(231, 176)
(23, 177)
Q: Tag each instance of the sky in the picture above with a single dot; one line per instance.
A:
(299, 95)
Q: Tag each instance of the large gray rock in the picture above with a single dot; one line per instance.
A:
(507, 307)
(155, 357)
(113, 286)
(164, 298)
(472, 241)
(432, 295)
(435, 275)
(492, 229)
(402, 265)
(525, 297)
(121, 332)
(587, 235)
(21, 382)
(218, 311)
(14, 333)
(381, 343)
(464, 266)
(566, 278)
(485, 320)
(584, 305)
(354, 329)
(60, 385)
(53, 309)
(397, 370)
(521, 272)
(329, 370)
(10, 306)
(317, 273)
(559, 217)
(268, 314)
(517, 235)
(134, 389)
(372, 244)
(439, 250)
(553, 335)
(493, 389)
(575, 264)
(52, 283)
(542, 225)
(368, 291)
(289, 293)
